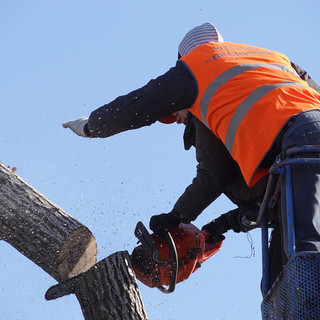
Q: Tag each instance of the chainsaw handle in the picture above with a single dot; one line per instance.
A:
(210, 248)
(174, 265)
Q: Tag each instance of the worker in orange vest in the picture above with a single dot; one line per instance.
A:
(252, 99)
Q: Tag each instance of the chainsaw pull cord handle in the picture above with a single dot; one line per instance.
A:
(174, 265)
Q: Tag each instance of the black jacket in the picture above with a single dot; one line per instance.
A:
(175, 90)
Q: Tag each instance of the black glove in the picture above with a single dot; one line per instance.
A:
(225, 222)
(228, 221)
(162, 223)
(216, 229)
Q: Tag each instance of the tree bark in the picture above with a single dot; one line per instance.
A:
(41, 231)
(107, 291)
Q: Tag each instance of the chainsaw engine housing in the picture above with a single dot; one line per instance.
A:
(153, 263)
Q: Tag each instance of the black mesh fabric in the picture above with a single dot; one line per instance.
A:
(295, 295)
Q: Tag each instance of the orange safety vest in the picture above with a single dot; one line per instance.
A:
(246, 95)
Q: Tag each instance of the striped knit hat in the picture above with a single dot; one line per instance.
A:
(199, 35)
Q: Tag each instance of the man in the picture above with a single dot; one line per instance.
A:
(251, 98)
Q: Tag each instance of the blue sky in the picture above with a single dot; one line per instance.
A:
(62, 59)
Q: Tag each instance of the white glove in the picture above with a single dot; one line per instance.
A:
(77, 126)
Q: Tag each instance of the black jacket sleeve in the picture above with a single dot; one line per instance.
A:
(173, 91)
(215, 171)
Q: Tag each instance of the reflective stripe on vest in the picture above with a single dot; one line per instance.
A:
(245, 106)
(228, 75)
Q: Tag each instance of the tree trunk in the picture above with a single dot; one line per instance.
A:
(107, 291)
(41, 231)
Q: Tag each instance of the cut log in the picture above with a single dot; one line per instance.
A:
(41, 231)
(107, 291)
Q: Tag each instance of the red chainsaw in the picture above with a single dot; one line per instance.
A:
(158, 261)
(171, 259)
